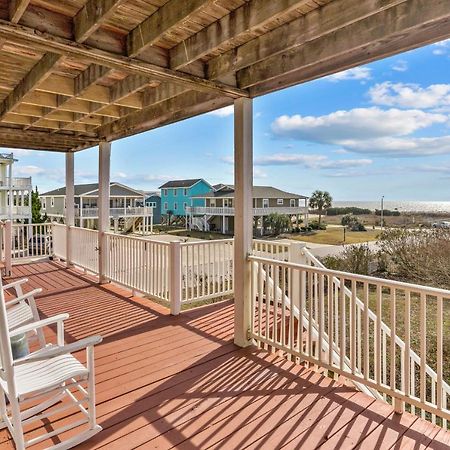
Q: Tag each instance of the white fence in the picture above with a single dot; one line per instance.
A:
(206, 270)
(139, 264)
(315, 314)
(31, 240)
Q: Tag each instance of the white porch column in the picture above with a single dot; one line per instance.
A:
(70, 205)
(104, 159)
(243, 227)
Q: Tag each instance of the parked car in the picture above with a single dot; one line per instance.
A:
(443, 224)
(39, 244)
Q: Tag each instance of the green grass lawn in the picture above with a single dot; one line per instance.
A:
(335, 236)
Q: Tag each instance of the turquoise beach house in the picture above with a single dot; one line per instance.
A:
(176, 195)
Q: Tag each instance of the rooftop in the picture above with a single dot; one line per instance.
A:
(91, 189)
(181, 183)
(165, 381)
(227, 191)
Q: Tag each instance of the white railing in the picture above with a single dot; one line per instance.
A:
(6, 211)
(84, 248)
(59, 235)
(31, 240)
(315, 314)
(134, 211)
(16, 182)
(139, 264)
(206, 270)
(229, 211)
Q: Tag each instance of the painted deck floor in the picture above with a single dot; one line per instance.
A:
(166, 382)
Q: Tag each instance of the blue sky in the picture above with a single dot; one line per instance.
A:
(381, 129)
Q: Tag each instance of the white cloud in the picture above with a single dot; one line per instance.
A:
(28, 171)
(223, 112)
(310, 161)
(391, 146)
(410, 95)
(441, 48)
(357, 73)
(313, 161)
(359, 123)
(400, 66)
(259, 173)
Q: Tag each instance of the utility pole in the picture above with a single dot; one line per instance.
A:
(382, 212)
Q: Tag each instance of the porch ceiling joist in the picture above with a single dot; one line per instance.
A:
(50, 43)
(160, 22)
(407, 18)
(14, 137)
(244, 20)
(173, 109)
(36, 75)
(16, 9)
(93, 14)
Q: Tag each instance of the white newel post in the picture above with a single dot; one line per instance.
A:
(243, 181)
(175, 277)
(296, 255)
(104, 158)
(70, 204)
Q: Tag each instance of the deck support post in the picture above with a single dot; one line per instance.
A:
(243, 228)
(70, 205)
(104, 158)
(175, 277)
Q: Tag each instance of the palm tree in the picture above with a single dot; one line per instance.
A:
(320, 200)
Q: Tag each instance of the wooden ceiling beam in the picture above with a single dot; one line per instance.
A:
(92, 15)
(188, 104)
(405, 19)
(16, 9)
(52, 43)
(314, 25)
(166, 17)
(243, 20)
(37, 74)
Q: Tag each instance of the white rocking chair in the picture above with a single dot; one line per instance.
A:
(35, 383)
(22, 309)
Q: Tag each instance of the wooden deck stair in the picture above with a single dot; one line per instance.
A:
(165, 382)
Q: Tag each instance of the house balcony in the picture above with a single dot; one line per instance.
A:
(229, 211)
(15, 212)
(17, 183)
(317, 372)
(131, 211)
(165, 381)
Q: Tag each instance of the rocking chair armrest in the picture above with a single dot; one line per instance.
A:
(38, 324)
(22, 297)
(55, 350)
(14, 284)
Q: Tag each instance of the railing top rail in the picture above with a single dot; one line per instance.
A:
(351, 276)
(206, 242)
(136, 238)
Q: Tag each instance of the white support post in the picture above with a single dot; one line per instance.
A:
(296, 255)
(151, 224)
(70, 205)
(8, 247)
(104, 157)
(243, 227)
(175, 278)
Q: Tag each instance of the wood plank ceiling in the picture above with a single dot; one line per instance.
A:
(75, 72)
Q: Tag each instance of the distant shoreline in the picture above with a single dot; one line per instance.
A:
(403, 206)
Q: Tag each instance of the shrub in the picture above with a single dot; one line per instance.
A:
(354, 258)
(335, 211)
(316, 225)
(352, 223)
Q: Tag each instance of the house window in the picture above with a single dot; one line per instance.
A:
(44, 203)
(175, 192)
(292, 202)
(152, 204)
(166, 206)
(212, 203)
(185, 206)
(52, 201)
(280, 201)
(175, 206)
(185, 192)
(166, 192)
(265, 203)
